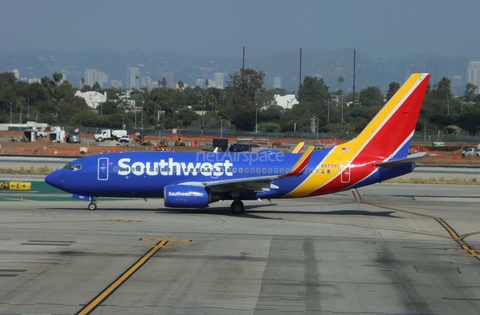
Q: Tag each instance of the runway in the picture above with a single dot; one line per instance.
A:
(402, 249)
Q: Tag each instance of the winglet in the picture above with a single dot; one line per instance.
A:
(299, 147)
(301, 163)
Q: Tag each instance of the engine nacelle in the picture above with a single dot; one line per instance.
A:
(184, 196)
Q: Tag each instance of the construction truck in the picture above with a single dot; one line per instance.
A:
(109, 134)
(179, 142)
(162, 145)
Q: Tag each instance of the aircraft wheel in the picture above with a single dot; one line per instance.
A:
(92, 206)
(237, 207)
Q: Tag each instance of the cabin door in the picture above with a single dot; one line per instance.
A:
(345, 176)
(102, 172)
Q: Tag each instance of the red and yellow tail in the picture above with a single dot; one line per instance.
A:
(386, 138)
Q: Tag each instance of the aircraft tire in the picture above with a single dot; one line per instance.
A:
(237, 207)
(92, 206)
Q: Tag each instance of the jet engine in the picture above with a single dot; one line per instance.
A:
(186, 196)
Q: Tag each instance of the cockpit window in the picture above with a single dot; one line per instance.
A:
(73, 167)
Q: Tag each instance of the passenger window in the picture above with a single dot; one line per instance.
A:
(281, 171)
(258, 170)
(328, 171)
(115, 169)
(246, 170)
(269, 171)
(275, 170)
(264, 170)
(323, 171)
(240, 170)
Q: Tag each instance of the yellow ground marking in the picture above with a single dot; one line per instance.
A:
(453, 234)
(88, 308)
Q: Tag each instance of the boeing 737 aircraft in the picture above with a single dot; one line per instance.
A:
(194, 180)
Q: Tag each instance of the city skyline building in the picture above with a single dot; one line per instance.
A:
(90, 76)
(200, 83)
(473, 76)
(219, 80)
(277, 83)
(16, 73)
(170, 77)
(116, 84)
(146, 82)
(133, 78)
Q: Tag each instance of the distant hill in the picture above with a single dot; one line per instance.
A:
(327, 64)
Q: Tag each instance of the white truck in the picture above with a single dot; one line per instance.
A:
(470, 152)
(109, 134)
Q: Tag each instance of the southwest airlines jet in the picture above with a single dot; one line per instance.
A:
(194, 180)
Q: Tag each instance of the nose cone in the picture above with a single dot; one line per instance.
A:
(55, 179)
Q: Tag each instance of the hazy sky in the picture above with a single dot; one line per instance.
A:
(377, 28)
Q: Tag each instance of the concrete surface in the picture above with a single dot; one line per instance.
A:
(405, 249)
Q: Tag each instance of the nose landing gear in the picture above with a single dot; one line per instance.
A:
(92, 206)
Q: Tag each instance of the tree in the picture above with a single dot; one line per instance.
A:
(313, 90)
(181, 84)
(57, 77)
(470, 122)
(244, 120)
(392, 89)
(244, 89)
(96, 87)
(340, 80)
(371, 96)
(163, 84)
(470, 92)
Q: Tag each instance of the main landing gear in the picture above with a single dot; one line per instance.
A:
(237, 207)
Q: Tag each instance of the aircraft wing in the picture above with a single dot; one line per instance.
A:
(409, 159)
(254, 183)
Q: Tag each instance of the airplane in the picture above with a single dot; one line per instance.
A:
(196, 179)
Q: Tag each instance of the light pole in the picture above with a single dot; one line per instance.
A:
(342, 108)
(135, 110)
(328, 110)
(256, 121)
(425, 131)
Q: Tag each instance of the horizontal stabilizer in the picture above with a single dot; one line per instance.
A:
(409, 159)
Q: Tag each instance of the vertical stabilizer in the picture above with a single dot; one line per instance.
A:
(390, 132)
